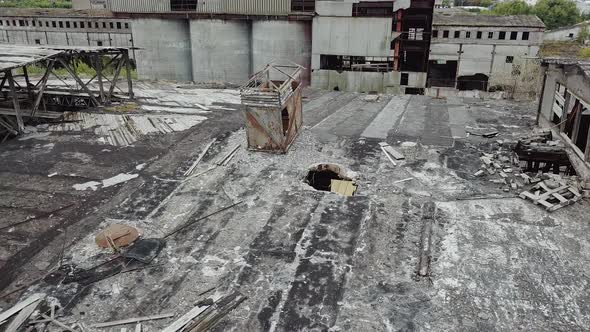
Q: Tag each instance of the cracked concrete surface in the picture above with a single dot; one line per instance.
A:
(306, 260)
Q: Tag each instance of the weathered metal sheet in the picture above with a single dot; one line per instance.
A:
(247, 7)
(143, 6)
(252, 7)
(269, 131)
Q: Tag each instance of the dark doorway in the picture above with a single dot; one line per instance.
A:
(473, 82)
(442, 73)
(286, 120)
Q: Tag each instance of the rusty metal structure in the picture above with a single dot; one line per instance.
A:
(25, 97)
(273, 107)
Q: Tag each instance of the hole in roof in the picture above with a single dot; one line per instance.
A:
(331, 178)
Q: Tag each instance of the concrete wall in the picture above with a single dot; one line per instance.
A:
(386, 82)
(164, 49)
(220, 50)
(282, 41)
(565, 34)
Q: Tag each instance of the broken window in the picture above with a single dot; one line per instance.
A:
(183, 5)
(525, 35)
(99, 43)
(373, 9)
(502, 35)
(479, 35)
(434, 33)
(509, 59)
(405, 79)
(491, 35)
(468, 34)
(416, 34)
(61, 24)
(457, 34)
(513, 35)
(67, 24)
(303, 5)
(356, 63)
(38, 41)
(446, 34)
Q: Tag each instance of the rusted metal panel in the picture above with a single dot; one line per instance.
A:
(273, 110)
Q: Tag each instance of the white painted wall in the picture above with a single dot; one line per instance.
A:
(565, 34)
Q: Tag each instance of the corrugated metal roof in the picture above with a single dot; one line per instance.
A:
(456, 19)
(15, 56)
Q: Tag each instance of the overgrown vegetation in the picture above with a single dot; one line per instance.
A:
(584, 53)
(36, 3)
(563, 49)
(554, 13)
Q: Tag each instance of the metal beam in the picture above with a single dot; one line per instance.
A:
(98, 63)
(43, 83)
(128, 69)
(79, 81)
(15, 102)
(115, 78)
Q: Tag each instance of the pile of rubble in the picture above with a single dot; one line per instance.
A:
(537, 168)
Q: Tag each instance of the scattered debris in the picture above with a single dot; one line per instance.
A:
(343, 187)
(87, 185)
(214, 313)
(425, 252)
(131, 321)
(196, 163)
(144, 250)
(226, 159)
(117, 179)
(116, 236)
(404, 180)
(391, 151)
(552, 199)
(23, 306)
(202, 218)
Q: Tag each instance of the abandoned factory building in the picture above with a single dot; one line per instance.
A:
(565, 108)
(383, 46)
(480, 51)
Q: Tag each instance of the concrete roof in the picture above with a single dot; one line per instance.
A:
(15, 56)
(520, 21)
(54, 12)
(305, 259)
(583, 65)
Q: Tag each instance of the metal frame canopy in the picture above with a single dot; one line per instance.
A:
(24, 96)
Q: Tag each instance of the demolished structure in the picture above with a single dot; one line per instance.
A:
(564, 107)
(25, 97)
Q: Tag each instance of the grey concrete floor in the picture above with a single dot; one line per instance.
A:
(307, 260)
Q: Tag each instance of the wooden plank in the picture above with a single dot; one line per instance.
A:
(560, 198)
(526, 194)
(545, 203)
(194, 165)
(388, 157)
(549, 193)
(20, 306)
(22, 317)
(60, 324)
(185, 319)
(131, 320)
(393, 152)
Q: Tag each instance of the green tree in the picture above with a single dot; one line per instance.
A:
(557, 13)
(514, 7)
(583, 35)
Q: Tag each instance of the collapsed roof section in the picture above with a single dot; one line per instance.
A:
(26, 96)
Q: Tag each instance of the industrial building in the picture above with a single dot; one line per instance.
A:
(569, 33)
(481, 51)
(564, 107)
(371, 46)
